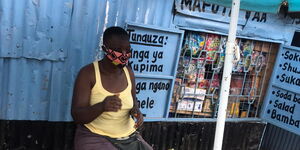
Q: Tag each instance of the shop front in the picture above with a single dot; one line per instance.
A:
(190, 92)
(186, 62)
(178, 53)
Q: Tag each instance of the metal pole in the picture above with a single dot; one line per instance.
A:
(223, 99)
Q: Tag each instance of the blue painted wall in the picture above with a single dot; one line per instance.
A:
(44, 43)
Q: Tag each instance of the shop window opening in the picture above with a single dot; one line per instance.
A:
(199, 74)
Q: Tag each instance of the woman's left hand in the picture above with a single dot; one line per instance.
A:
(136, 113)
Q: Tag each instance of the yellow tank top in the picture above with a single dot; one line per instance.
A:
(112, 124)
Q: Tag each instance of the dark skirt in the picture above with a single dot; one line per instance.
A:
(87, 140)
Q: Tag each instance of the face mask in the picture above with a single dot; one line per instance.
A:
(117, 58)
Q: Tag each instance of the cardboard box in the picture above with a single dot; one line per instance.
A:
(187, 104)
(191, 93)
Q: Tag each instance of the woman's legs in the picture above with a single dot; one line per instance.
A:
(86, 140)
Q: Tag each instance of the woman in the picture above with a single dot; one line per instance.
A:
(104, 99)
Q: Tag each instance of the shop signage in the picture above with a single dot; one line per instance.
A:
(282, 103)
(154, 58)
(200, 9)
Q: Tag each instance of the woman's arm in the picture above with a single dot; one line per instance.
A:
(135, 111)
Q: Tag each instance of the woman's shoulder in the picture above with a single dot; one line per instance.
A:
(88, 72)
(87, 69)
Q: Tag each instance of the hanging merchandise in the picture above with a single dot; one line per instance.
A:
(255, 55)
(222, 49)
(194, 43)
(183, 66)
(176, 91)
(246, 47)
(215, 83)
(191, 73)
(199, 75)
(212, 46)
(202, 82)
(246, 50)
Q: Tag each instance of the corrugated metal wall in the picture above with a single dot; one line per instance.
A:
(276, 138)
(44, 43)
(161, 135)
(200, 136)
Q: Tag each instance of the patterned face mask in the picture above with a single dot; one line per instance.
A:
(118, 58)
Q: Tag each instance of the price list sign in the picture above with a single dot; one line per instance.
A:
(155, 53)
(282, 103)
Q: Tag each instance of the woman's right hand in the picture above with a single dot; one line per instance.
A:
(111, 103)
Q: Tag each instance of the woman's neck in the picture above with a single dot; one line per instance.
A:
(108, 67)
